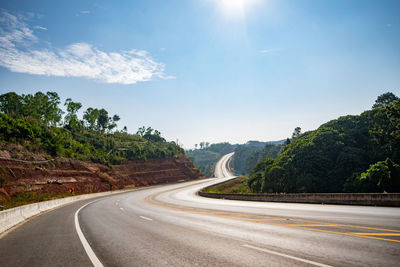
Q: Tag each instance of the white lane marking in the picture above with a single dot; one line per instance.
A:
(89, 251)
(121, 209)
(286, 256)
(145, 218)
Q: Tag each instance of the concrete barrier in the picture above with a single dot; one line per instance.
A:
(14, 216)
(365, 199)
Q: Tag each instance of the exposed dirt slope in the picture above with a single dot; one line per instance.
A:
(21, 171)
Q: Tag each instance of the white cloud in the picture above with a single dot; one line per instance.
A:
(268, 51)
(82, 13)
(40, 28)
(76, 60)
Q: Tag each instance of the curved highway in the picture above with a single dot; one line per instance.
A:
(170, 225)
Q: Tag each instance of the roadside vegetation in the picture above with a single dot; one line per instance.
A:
(38, 123)
(24, 198)
(234, 186)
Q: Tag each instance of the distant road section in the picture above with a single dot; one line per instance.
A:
(170, 225)
(222, 169)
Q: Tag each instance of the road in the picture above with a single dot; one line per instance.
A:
(222, 169)
(170, 225)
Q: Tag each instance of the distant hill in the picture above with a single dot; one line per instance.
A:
(263, 144)
(246, 155)
(206, 157)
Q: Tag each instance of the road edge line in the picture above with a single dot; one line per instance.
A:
(89, 251)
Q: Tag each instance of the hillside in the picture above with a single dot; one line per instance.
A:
(32, 178)
(43, 153)
(358, 153)
(37, 122)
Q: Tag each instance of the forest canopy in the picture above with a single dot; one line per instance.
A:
(350, 154)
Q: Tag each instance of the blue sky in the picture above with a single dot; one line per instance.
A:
(206, 70)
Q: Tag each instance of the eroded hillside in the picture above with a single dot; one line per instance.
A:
(23, 172)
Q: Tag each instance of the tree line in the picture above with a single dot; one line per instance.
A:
(45, 107)
(38, 122)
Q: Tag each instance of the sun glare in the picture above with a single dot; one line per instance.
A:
(235, 8)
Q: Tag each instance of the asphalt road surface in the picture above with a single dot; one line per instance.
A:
(170, 225)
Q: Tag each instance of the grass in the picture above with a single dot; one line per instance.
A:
(234, 186)
(23, 198)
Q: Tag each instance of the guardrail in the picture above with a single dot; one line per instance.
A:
(14, 216)
(365, 199)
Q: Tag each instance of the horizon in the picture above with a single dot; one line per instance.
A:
(213, 71)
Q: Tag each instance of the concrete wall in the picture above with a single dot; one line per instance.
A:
(369, 199)
(11, 217)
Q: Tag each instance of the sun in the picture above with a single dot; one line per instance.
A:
(234, 5)
(235, 8)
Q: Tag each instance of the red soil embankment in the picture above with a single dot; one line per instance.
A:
(58, 175)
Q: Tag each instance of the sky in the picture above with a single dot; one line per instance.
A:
(205, 70)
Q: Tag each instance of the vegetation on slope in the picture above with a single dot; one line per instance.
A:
(350, 154)
(37, 122)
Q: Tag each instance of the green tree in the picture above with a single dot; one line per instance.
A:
(103, 120)
(43, 107)
(52, 113)
(113, 122)
(257, 174)
(90, 116)
(381, 176)
(384, 99)
(274, 179)
(296, 133)
(11, 103)
(202, 144)
(71, 119)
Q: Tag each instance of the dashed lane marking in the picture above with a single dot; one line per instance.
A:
(286, 256)
(146, 218)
